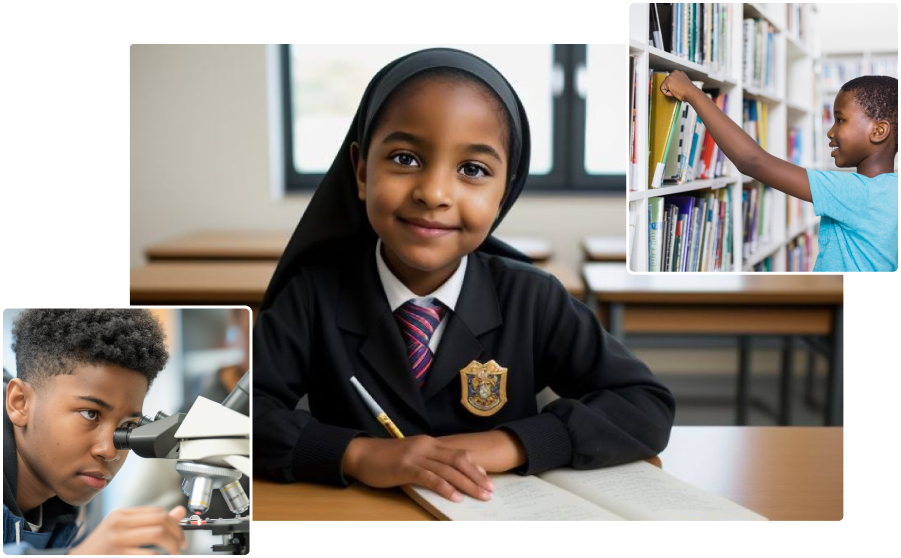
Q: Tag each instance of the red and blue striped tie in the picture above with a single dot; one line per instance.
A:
(417, 324)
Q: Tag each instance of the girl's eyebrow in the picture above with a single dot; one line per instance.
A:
(481, 148)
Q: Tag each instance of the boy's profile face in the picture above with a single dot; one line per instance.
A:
(434, 177)
(66, 445)
(850, 133)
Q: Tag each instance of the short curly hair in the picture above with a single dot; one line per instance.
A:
(48, 343)
(878, 96)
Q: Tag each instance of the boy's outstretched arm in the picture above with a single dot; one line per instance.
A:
(739, 147)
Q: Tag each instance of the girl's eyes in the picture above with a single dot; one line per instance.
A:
(405, 159)
(478, 168)
(473, 170)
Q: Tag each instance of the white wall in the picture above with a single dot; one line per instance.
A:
(858, 27)
(200, 156)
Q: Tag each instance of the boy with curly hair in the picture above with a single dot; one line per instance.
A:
(859, 225)
(81, 375)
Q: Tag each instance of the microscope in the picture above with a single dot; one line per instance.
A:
(211, 446)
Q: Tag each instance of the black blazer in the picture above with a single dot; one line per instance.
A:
(331, 323)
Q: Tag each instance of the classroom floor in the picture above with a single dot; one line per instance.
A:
(708, 399)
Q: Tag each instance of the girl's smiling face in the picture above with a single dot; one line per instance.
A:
(434, 177)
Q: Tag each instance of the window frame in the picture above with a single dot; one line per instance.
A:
(568, 174)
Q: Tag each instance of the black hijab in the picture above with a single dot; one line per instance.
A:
(335, 221)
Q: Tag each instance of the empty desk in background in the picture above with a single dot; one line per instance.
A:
(221, 245)
(604, 248)
(240, 282)
(538, 249)
(782, 473)
(269, 245)
(201, 282)
(740, 305)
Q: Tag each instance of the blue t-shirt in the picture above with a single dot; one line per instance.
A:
(859, 225)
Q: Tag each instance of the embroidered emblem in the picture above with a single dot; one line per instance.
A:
(484, 388)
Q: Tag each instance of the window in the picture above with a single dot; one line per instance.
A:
(559, 85)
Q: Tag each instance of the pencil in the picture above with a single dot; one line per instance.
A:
(380, 415)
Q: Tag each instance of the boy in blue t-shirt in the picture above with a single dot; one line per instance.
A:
(859, 225)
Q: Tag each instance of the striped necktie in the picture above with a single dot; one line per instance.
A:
(417, 324)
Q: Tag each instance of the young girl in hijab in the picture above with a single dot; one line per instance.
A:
(393, 277)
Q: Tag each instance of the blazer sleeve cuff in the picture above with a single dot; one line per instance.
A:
(545, 440)
(319, 452)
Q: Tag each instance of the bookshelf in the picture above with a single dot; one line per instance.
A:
(791, 104)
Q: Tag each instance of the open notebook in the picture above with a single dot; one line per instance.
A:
(635, 491)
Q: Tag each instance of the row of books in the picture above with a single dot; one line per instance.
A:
(797, 20)
(757, 217)
(754, 120)
(765, 264)
(696, 156)
(690, 232)
(838, 72)
(680, 148)
(700, 33)
(758, 55)
(797, 256)
(798, 253)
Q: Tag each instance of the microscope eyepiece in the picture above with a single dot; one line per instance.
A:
(120, 437)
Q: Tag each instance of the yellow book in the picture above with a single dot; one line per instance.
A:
(763, 125)
(663, 117)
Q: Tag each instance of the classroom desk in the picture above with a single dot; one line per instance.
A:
(242, 282)
(604, 248)
(203, 282)
(740, 305)
(783, 473)
(538, 249)
(269, 245)
(221, 245)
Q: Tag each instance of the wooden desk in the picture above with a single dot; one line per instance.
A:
(221, 245)
(538, 249)
(189, 282)
(726, 305)
(235, 282)
(269, 245)
(604, 248)
(781, 473)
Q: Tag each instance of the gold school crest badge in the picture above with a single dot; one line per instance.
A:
(484, 388)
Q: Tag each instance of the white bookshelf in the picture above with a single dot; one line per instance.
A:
(791, 103)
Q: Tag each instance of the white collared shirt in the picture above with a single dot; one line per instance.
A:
(398, 293)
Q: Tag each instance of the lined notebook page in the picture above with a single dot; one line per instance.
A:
(641, 491)
(515, 499)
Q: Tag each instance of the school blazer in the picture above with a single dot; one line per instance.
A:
(331, 323)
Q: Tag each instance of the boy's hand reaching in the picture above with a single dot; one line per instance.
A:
(678, 85)
(419, 460)
(125, 531)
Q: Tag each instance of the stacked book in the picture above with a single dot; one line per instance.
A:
(690, 232)
(757, 217)
(794, 145)
(797, 20)
(699, 33)
(798, 253)
(680, 148)
(758, 55)
(754, 120)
